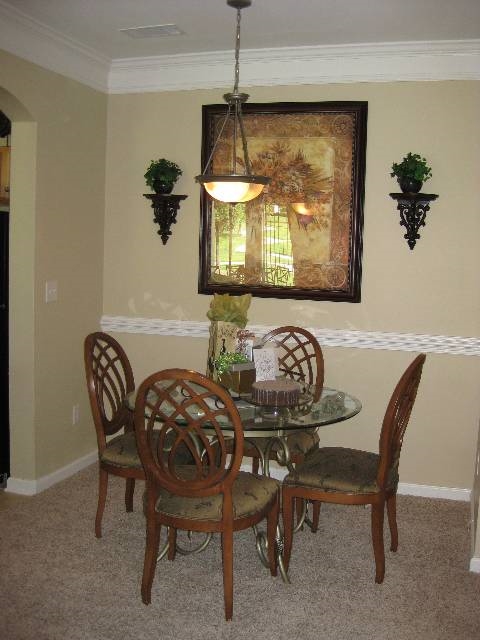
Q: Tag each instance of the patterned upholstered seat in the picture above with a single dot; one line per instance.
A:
(249, 493)
(122, 451)
(341, 470)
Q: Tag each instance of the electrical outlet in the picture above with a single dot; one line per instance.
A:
(75, 413)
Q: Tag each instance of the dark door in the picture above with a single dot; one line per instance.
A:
(4, 408)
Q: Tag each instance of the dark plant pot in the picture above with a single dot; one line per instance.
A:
(409, 185)
(159, 186)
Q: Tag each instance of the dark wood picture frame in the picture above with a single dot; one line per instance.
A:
(314, 153)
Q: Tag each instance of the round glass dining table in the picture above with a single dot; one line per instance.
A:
(276, 424)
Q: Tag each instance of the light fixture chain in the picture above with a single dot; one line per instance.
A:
(233, 187)
(237, 53)
(248, 166)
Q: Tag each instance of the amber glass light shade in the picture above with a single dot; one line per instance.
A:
(231, 188)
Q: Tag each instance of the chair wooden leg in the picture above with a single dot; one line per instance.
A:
(392, 520)
(172, 543)
(129, 489)
(152, 543)
(316, 504)
(299, 505)
(255, 464)
(287, 509)
(227, 560)
(102, 497)
(272, 524)
(377, 539)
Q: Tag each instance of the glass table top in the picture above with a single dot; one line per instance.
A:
(333, 406)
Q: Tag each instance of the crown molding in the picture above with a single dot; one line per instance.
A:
(37, 43)
(452, 345)
(383, 62)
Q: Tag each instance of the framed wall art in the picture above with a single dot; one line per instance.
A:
(302, 238)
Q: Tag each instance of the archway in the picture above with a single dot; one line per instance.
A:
(21, 285)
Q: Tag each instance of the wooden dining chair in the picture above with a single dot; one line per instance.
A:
(350, 476)
(210, 495)
(301, 359)
(109, 379)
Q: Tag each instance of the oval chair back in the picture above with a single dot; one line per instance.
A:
(300, 356)
(109, 380)
(179, 411)
(396, 420)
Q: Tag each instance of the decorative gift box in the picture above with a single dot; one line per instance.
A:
(239, 377)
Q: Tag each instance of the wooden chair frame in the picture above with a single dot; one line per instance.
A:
(109, 379)
(391, 438)
(213, 472)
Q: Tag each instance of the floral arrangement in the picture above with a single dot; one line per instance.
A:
(225, 360)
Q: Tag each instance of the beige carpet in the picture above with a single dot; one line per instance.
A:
(58, 582)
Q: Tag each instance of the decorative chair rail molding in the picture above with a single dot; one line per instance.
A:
(452, 345)
(378, 62)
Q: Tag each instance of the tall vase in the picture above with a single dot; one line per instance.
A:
(223, 336)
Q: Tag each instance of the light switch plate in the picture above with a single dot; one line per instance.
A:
(51, 291)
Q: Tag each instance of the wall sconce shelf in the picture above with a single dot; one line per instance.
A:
(165, 209)
(413, 209)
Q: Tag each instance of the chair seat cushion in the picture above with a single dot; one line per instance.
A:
(341, 470)
(121, 451)
(299, 443)
(251, 493)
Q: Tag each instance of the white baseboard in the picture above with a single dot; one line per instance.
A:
(475, 564)
(32, 487)
(427, 491)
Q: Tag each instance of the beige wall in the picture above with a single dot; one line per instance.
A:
(57, 213)
(430, 290)
(57, 217)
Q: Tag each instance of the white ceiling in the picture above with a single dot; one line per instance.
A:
(208, 25)
(282, 41)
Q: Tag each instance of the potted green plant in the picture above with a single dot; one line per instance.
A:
(162, 174)
(235, 371)
(411, 172)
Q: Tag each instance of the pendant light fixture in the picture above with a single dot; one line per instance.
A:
(234, 187)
